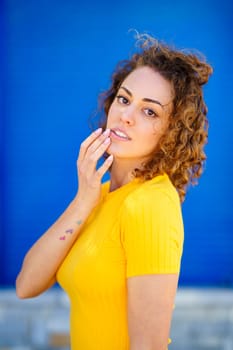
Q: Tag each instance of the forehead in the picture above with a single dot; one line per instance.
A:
(144, 82)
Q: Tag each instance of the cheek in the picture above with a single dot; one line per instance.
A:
(111, 113)
(159, 128)
(150, 130)
(153, 134)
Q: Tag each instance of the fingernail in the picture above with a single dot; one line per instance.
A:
(98, 131)
(106, 132)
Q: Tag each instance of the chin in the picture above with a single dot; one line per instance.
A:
(118, 151)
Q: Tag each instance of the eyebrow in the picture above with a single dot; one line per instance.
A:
(144, 99)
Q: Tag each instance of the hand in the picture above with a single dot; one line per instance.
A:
(89, 178)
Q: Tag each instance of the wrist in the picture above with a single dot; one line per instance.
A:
(81, 207)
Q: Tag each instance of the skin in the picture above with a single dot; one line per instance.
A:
(150, 297)
(45, 256)
(144, 121)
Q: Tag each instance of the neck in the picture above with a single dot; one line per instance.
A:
(121, 173)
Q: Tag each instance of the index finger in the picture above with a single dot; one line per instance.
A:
(87, 142)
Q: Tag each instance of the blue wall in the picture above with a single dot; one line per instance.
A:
(58, 57)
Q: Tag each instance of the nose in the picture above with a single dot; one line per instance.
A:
(127, 116)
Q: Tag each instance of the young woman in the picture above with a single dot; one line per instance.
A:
(116, 250)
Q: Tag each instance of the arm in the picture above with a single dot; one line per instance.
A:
(43, 259)
(152, 237)
(150, 305)
(46, 255)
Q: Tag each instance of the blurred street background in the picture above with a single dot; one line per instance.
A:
(202, 320)
(56, 57)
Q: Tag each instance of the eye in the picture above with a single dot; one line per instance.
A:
(150, 113)
(123, 100)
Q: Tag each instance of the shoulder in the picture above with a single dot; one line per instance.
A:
(154, 206)
(151, 228)
(153, 194)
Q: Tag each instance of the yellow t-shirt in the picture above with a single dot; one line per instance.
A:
(135, 230)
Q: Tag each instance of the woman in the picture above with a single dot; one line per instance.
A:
(116, 250)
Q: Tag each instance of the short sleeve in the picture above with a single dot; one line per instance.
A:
(152, 233)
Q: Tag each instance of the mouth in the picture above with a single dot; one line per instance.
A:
(120, 135)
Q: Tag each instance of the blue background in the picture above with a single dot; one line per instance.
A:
(56, 58)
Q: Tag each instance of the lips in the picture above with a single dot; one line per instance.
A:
(120, 134)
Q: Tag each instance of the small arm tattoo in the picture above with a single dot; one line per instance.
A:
(69, 231)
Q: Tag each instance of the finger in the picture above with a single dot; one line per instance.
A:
(90, 161)
(104, 167)
(87, 142)
(99, 152)
(98, 142)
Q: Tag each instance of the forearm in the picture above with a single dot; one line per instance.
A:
(43, 259)
(46, 255)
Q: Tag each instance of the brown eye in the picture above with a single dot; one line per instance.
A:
(150, 113)
(122, 100)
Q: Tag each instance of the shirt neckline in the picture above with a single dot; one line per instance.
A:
(108, 194)
(135, 181)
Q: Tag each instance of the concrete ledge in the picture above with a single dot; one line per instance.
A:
(38, 323)
(202, 320)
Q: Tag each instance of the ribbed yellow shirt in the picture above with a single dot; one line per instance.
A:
(135, 230)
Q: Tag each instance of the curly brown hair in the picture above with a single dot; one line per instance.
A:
(180, 151)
